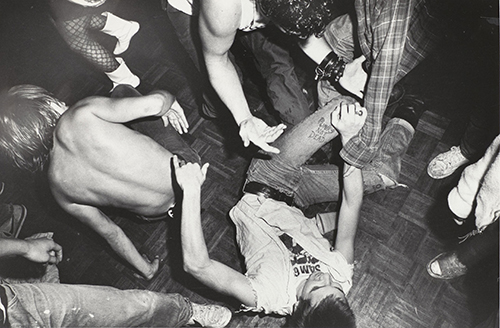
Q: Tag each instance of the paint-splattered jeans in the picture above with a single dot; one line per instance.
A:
(61, 305)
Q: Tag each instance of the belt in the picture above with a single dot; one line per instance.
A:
(261, 189)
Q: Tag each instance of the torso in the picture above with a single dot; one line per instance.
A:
(106, 164)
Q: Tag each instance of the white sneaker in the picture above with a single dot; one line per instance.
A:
(210, 316)
(444, 164)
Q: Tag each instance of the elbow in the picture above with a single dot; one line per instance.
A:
(194, 268)
(189, 268)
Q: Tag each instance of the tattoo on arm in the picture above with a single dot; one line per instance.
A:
(321, 131)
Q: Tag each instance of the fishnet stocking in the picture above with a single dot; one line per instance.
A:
(76, 34)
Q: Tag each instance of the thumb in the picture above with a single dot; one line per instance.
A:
(204, 169)
(335, 116)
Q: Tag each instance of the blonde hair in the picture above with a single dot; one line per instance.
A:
(28, 116)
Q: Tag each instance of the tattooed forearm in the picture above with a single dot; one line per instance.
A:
(321, 130)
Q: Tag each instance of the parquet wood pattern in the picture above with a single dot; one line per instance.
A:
(399, 230)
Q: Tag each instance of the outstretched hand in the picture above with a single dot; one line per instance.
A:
(42, 249)
(348, 119)
(175, 116)
(190, 175)
(260, 134)
(354, 77)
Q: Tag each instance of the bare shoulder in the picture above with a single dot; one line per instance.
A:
(221, 17)
(83, 110)
(89, 104)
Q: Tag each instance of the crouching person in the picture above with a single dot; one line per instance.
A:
(100, 152)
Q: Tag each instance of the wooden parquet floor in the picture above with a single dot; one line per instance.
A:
(399, 232)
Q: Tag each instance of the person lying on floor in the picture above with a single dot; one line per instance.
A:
(94, 157)
(291, 268)
(47, 303)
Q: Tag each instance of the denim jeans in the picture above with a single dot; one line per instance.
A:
(61, 305)
(153, 127)
(310, 184)
(482, 125)
(277, 68)
(479, 248)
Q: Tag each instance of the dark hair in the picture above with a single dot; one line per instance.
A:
(330, 312)
(27, 120)
(302, 18)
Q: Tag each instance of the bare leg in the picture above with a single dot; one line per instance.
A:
(76, 34)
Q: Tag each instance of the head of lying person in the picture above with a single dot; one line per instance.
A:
(322, 303)
(28, 117)
(301, 18)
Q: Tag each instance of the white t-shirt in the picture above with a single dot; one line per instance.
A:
(259, 224)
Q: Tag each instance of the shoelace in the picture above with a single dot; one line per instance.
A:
(455, 156)
(468, 235)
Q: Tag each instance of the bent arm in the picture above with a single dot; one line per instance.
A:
(122, 110)
(197, 261)
(219, 21)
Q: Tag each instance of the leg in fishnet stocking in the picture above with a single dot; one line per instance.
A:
(97, 22)
(76, 34)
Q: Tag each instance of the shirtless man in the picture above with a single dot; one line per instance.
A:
(94, 160)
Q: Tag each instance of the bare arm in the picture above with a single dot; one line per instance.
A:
(348, 120)
(114, 235)
(197, 261)
(219, 21)
(122, 110)
(40, 250)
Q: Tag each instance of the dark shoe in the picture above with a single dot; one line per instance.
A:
(12, 227)
(446, 266)
(396, 95)
(410, 109)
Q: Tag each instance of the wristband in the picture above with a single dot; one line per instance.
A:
(330, 68)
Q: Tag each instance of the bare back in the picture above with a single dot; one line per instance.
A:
(102, 163)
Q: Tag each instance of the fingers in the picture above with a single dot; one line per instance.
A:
(259, 142)
(176, 123)
(164, 118)
(53, 258)
(335, 116)
(175, 161)
(204, 169)
(273, 133)
(183, 122)
(246, 140)
(57, 252)
(348, 114)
